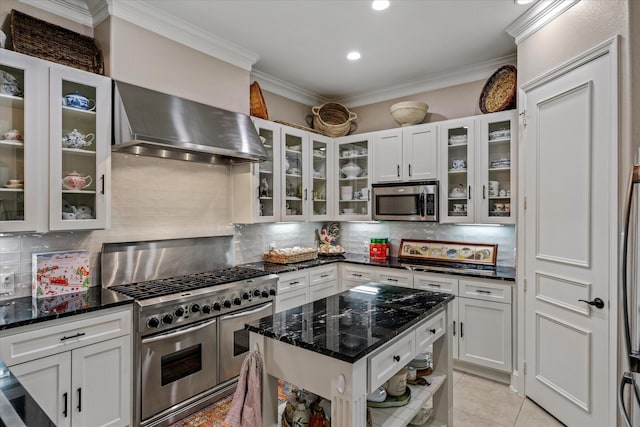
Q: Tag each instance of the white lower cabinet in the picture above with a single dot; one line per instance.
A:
(300, 287)
(394, 276)
(87, 384)
(352, 275)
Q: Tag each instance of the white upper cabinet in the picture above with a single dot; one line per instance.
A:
(294, 145)
(320, 198)
(353, 188)
(479, 170)
(409, 154)
(48, 182)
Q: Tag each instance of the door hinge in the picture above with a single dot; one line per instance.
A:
(524, 367)
(523, 114)
(524, 202)
(524, 287)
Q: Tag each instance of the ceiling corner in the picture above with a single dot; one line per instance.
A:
(286, 90)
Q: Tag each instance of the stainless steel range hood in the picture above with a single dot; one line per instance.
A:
(151, 123)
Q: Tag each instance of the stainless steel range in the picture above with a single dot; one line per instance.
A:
(189, 337)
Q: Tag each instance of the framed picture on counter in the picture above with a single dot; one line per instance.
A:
(441, 250)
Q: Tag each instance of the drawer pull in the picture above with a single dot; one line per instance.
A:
(392, 280)
(454, 328)
(65, 412)
(294, 283)
(396, 358)
(357, 274)
(80, 399)
(482, 291)
(324, 275)
(434, 285)
(433, 331)
(79, 334)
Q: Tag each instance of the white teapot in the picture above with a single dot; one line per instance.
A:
(75, 139)
(74, 181)
(351, 170)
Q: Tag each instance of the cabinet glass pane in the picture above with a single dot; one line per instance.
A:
(319, 191)
(353, 196)
(266, 175)
(78, 181)
(457, 174)
(499, 185)
(12, 140)
(293, 175)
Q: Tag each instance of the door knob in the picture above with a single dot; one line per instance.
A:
(597, 302)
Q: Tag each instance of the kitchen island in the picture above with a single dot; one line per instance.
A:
(345, 346)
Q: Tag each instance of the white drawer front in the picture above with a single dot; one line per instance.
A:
(429, 332)
(323, 290)
(397, 278)
(34, 344)
(485, 291)
(359, 274)
(385, 364)
(323, 274)
(435, 283)
(291, 299)
(288, 282)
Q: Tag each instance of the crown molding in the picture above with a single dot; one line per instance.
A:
(447, 78)
(74, 10)
(536, 17)
(287, 90)
(144, 15)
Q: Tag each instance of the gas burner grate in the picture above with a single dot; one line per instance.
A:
(172, 285)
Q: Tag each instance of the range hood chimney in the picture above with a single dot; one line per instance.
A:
(151, 123)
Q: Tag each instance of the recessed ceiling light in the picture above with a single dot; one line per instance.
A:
(353, 56)
(380, 4)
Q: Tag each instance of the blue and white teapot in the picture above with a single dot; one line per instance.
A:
(79, 101)
(75, 139)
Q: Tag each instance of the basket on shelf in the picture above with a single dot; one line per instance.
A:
(499, 92)
(332, 119)
(257, 106)
(282, 257)
(34, 37)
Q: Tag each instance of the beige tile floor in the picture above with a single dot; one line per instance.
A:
(478, 402)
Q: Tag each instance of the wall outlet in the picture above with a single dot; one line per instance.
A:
(7, 283)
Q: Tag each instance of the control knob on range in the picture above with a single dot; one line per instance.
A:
(179, 311)
(256, 292)
(167, 319)
(237, 301)
(272, 291)
(217, 306)
(265, 294)
(206, 309)
(153, 322)
(195, 308)
(227, 304)
(245, 295)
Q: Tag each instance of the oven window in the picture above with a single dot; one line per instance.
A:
(180, 364)
(397, 205)
(240, 342)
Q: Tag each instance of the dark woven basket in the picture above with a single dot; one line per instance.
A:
(499, 92)
(44, 40)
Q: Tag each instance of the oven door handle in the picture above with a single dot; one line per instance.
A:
(246, 313)
(178, 333)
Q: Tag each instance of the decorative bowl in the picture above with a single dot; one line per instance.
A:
(409, 113)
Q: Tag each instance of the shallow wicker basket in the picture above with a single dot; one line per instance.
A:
(257, 106)
(333, 119)
(41, 39)
(278, 258)
(499, 92)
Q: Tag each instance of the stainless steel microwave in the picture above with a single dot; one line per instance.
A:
(406, 201)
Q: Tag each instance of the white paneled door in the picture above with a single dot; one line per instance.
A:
(570, 176)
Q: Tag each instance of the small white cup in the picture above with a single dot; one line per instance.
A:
(499, 207)
(346, 192)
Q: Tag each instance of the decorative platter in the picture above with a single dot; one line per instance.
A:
(440, 250)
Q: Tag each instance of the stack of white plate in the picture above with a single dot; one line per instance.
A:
(421, 361)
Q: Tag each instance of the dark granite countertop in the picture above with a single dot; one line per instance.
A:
(25, 311)
(499, 273)
(349, 325)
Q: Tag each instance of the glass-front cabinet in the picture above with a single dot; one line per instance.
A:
(268, 209)
(353, 188)
(496, 172)
(321, 197)
(458, 147)
(21, 144)
(295, 146)
(80, 142)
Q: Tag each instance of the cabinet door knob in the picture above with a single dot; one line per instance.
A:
(66, 398)
(433, 331)
(396, 358)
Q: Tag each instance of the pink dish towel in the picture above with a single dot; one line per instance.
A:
(246, 406)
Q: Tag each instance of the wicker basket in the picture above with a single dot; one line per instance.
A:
(499, 92)
(41, 39)
(278, 258)
(333, 119)
(257, 106)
